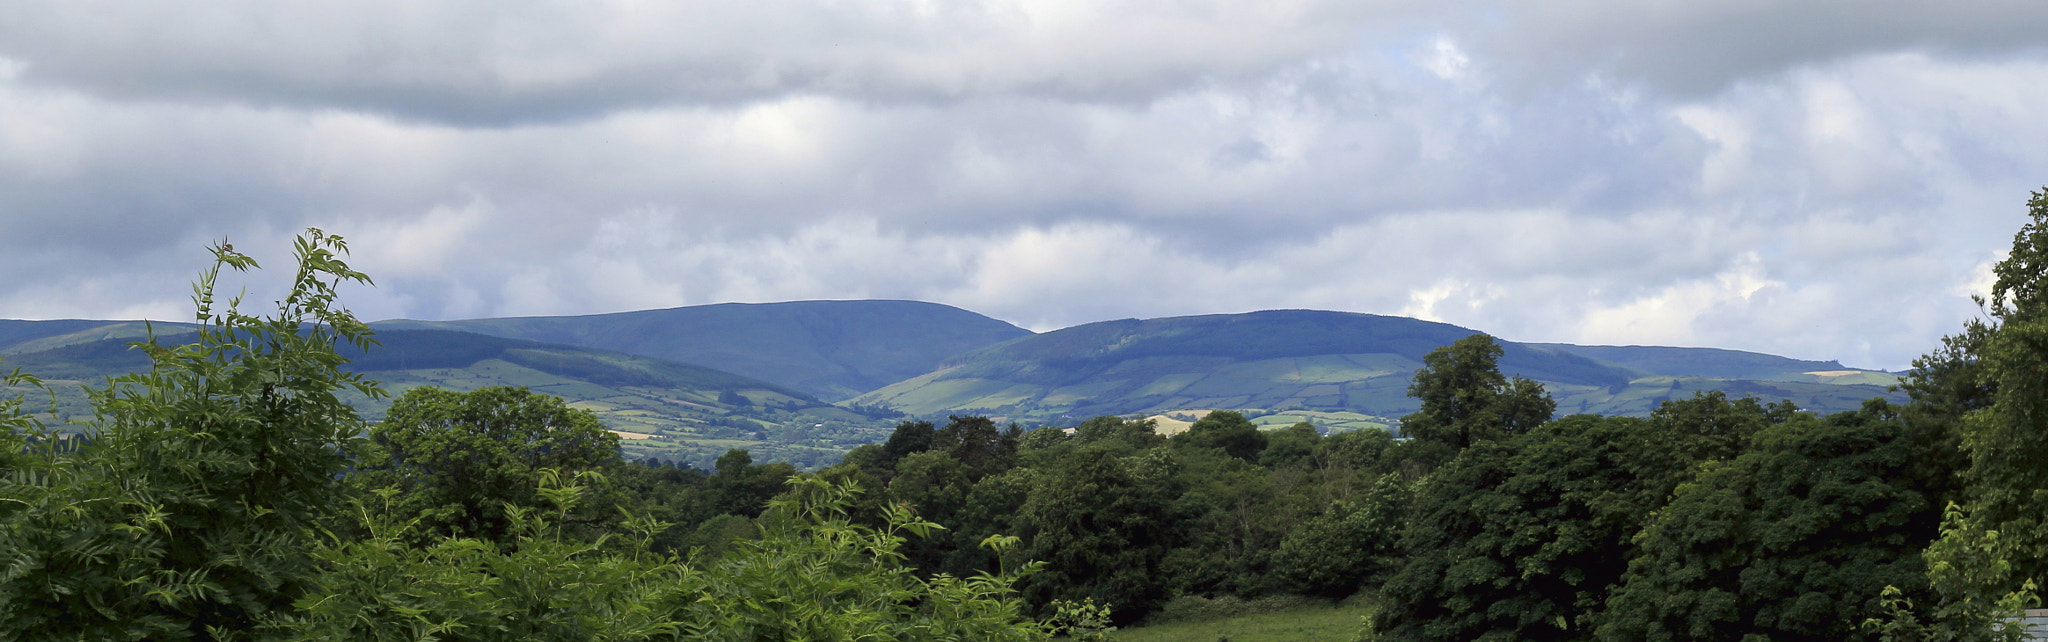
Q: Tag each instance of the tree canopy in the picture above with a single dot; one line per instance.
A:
(1465, 399)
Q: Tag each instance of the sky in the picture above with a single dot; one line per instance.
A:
(1821, 179)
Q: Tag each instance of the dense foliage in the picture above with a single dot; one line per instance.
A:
(1714, 518)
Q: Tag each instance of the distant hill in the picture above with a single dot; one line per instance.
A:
(667, 409)
(19, 337)
(1336, 368)
(762, 373)
(832, 349)
(1722, 364)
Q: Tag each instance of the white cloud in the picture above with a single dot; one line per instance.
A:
(1668, 316)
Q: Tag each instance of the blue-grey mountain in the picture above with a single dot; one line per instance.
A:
(1329, 367)
(832, 349)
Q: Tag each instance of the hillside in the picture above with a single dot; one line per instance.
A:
(22, 337)
(831, 349)
(1335, 368)
(666, 409)
(1719, 364)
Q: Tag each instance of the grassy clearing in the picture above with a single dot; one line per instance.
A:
(1307, 624)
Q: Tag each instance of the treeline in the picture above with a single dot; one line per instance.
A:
(1711, 519)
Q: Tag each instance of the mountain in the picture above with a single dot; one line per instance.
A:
(1336, 368)
(764, 372)
(832, 349)
(662, 408)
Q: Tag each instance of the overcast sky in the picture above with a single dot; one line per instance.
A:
(1818, 179)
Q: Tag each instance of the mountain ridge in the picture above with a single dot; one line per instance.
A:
(832, 349)
(1351, 366)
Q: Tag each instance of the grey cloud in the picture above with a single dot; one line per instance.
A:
(1693, 49)
(495, 63)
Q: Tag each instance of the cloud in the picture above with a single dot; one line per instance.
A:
(1601, 172)
(528, 60)
(1696, 49)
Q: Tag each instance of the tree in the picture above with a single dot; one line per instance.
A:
(1523, 538)
(1136, 433)
(1355, 543)
(1100, 524)
(1230, 516)
(1989, 381)
(1465, 399)
(909, 437)
(1226, 431)
(1290, 446)
(977, 444)
(742, 487)
(935, 485)
(1795, 539)
(191, 510)
(460, 460)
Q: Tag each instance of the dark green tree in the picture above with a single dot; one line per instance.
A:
(1226, 431)
(1136, 433)
(2007, 440)
(1353, 544)
(1292, 446)
(909, 437)
(1795, 539)
(460, 459)
(1523, 538)
(1100, 523)
(742, 487)
(935, 485)
(978, 444)
(1465, 399)
(1043, 438)
(1230, 515)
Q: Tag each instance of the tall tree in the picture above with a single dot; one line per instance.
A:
(1994, 554)
(1465, 399)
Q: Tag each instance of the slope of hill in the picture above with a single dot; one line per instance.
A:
(665, 409)
(21, 337)
(832, 349)
(1336, 368)
(1717, 363)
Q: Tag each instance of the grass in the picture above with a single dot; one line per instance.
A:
(1338, 623)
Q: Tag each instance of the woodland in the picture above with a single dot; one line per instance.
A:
(230, 492)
